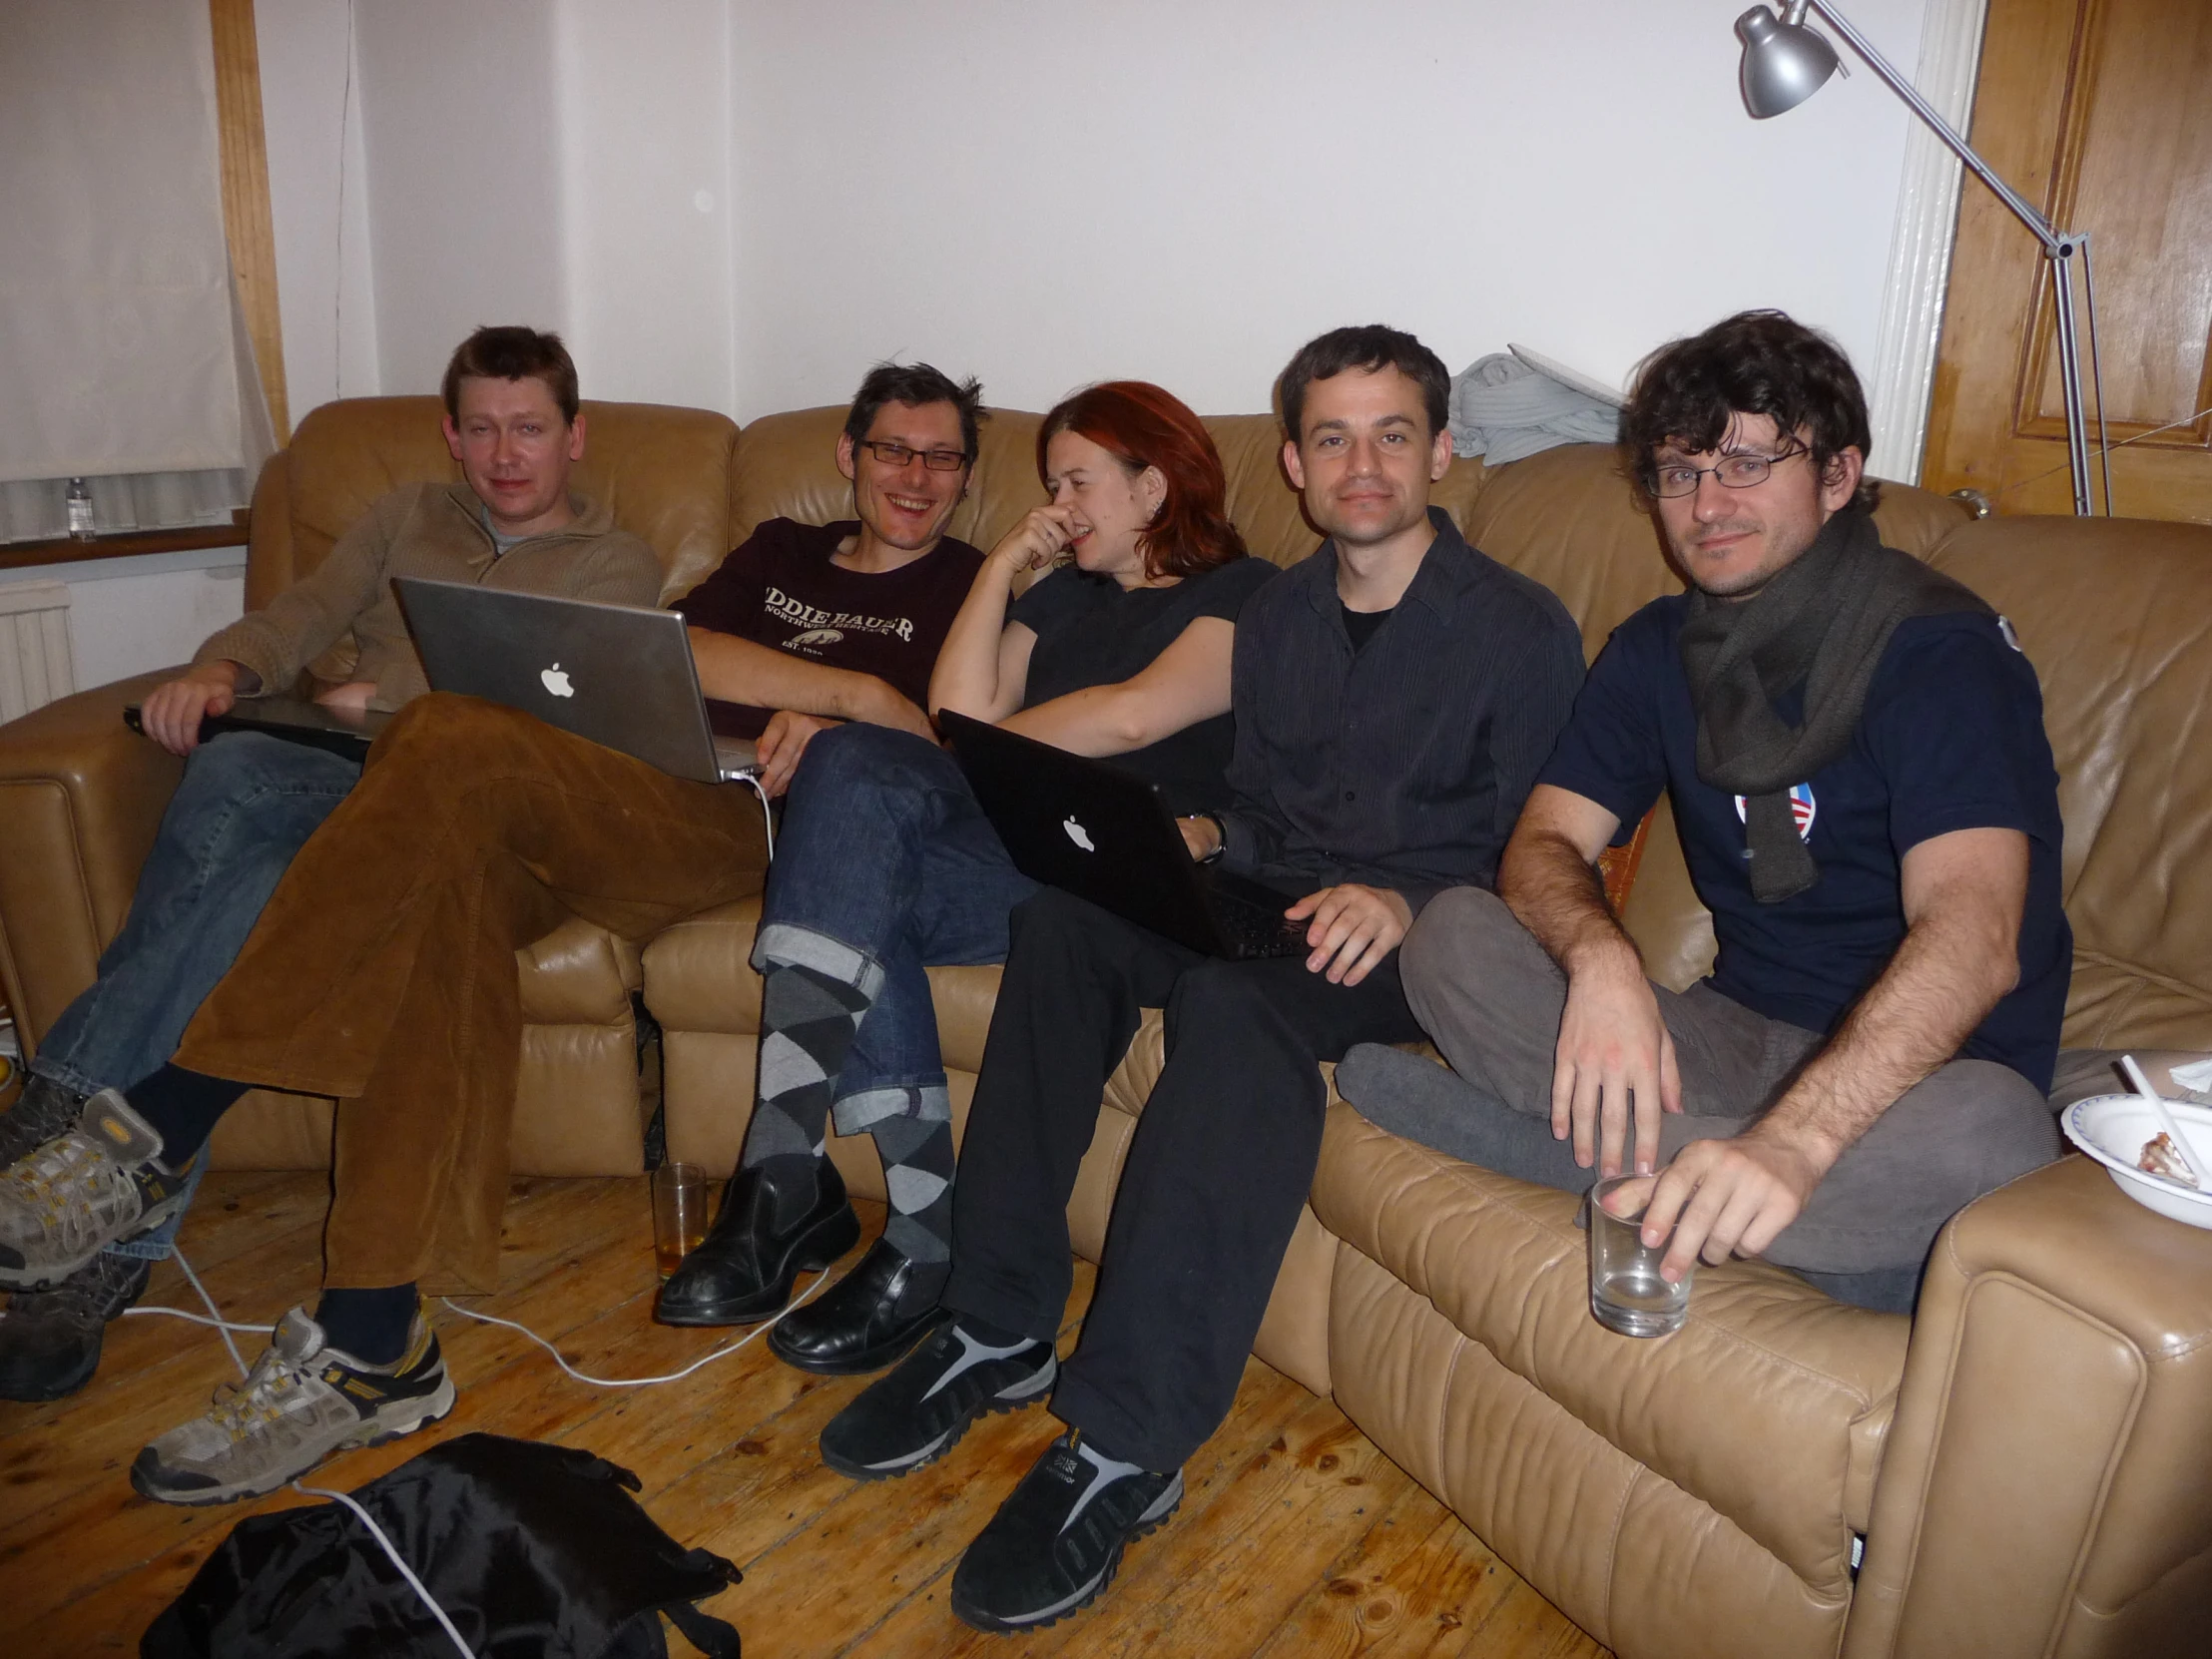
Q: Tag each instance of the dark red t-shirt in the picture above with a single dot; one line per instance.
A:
(779, 589)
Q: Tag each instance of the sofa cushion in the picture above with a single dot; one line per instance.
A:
(1766, 1405)
(2126, 683)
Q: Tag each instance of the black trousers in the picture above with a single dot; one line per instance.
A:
(1218, 1169)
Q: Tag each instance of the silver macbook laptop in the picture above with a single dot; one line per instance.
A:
(619, 675)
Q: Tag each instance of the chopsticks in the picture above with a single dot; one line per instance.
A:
(2141, 1085)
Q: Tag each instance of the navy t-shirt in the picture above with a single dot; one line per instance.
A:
(1950, 738)
(1093, 632)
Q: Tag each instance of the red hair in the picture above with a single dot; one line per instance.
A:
(1140, 425)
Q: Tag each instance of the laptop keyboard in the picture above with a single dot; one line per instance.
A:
(1255, 929)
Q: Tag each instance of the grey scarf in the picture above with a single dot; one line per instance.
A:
(1822, 622)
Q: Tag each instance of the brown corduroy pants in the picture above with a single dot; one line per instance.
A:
(382, 971)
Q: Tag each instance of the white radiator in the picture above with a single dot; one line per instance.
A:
(35, 665)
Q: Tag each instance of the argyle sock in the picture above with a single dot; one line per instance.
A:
(183, 1107)
(918, 1175)
(808, 1021)
(369, 1324)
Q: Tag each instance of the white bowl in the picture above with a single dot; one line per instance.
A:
(2112, 1128)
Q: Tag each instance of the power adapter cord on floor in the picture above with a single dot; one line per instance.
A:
(224, 1328)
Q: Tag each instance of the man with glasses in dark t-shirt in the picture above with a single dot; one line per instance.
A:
(1854, 748)
(806, 625)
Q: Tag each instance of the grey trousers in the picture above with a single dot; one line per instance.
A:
(1492, 998)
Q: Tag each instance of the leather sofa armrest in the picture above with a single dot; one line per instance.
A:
(81, 796)
(2048, 1485)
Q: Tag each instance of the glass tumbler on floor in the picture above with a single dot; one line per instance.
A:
(679, 1213)
(1626, 1292)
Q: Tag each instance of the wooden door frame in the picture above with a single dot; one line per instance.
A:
(1901, 384)
(248, 224)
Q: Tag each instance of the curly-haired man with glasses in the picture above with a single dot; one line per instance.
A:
(1853, 749)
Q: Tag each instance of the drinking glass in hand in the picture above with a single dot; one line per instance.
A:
(679, 1213)
(1626, 1292)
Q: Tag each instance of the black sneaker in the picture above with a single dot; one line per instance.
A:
(50, 1339)
(914, 1415)
(1054, 1545)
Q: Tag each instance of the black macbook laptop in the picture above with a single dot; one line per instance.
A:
(1105, 835)
(291, 718)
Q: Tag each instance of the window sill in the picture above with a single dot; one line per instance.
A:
(62, 551)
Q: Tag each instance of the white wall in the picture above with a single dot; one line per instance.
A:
(319, 199)
(740, 202)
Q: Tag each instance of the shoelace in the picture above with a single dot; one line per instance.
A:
(54, 1174)
(265, 1397)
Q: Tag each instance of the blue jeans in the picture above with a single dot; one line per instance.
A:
(885, 864)
(248, 802)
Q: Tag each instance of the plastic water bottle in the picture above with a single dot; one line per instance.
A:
(80, 511)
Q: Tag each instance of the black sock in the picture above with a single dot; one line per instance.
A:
(183, 1107)
(989, 1335)
(371, 1326)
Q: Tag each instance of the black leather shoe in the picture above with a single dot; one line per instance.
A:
(869, 1319)
(743, 1271)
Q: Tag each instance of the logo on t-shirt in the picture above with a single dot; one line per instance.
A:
(1802, 808)
(2005, 627)
(833, 624)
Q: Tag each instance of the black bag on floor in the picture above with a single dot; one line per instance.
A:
(532, 1550)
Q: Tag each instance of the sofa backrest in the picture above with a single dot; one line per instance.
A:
(664, 472)
(2117, 615)
(787, 468)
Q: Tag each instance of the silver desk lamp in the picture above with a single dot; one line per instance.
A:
(1786, 61)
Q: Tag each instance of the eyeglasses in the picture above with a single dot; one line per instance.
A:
(1736, 472)
(936, 460)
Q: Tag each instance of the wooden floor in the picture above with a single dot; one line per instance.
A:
(1297, 1538)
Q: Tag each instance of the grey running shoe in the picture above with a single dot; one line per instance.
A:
(303, 1401)
(43, 1110)
(68, 1198)
(50, 1339)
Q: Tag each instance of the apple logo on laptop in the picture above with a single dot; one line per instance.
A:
(556, 682)
(1078, 835)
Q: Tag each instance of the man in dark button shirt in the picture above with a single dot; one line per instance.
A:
(1855, 752)
(1395, 695)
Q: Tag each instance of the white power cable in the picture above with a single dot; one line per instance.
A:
(428, 1600)
(820, 1278)
(224, 1328)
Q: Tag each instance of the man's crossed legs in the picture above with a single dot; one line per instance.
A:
(1491, 999)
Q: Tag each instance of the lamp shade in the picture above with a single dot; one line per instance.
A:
(1784, 63)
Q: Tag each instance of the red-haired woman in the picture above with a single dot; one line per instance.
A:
(886, 863)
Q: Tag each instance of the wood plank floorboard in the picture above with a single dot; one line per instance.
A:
(1296, 1537)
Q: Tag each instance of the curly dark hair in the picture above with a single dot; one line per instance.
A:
(1755, 362)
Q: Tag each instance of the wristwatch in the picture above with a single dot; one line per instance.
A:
(1221, 836)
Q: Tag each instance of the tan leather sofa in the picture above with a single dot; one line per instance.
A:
(2029, 1460)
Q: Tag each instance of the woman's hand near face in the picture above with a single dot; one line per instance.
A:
(1041, 537)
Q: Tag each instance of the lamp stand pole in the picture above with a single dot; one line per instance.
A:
(2062, 247)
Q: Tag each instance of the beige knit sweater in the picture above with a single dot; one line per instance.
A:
(433, 530)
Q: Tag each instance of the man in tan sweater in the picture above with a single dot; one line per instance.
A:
(249, 800)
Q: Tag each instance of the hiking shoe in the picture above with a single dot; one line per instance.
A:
(50, 1339)
(303, 1402)
(69, 1198)
(913, 1414)
(1054, 1545)
(41, 1111)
